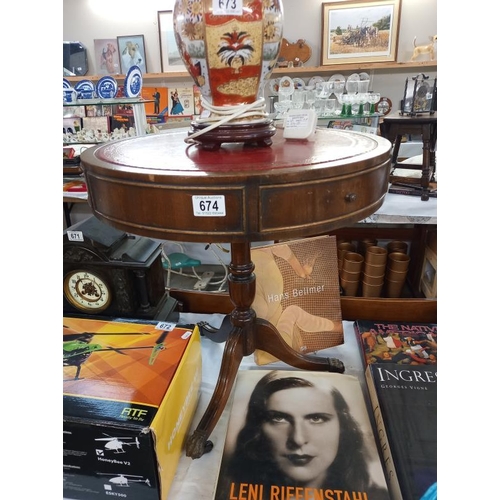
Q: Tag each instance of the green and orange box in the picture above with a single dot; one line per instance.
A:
(130, 390)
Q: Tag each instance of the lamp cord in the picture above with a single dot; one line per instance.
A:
(228, 113)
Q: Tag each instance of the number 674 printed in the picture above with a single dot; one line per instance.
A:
(209, 206)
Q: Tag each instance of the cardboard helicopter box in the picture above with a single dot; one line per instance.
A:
(130, 390)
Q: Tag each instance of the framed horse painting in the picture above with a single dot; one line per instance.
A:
(360, 32)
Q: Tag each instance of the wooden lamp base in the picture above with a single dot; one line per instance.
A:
(252, 134)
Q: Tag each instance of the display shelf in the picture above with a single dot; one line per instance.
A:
(171, 75)
(116, 100)
(137, 104)
(337, 68)
(360, 123)
(400, 217)
(334, 68)
(90, 143)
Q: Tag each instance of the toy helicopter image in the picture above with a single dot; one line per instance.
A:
(125, 479)
(116, 444)
(78, 346)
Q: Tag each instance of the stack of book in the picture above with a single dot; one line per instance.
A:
(401, 374)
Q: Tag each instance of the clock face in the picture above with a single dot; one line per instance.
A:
(384, 106)
(86, 291)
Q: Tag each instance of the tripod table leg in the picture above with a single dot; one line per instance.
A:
(196, 444)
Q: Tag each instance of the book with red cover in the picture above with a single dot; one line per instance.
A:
(404, 403)
(74, 187)
(393, 342)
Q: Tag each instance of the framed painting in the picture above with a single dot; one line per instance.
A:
(132, 52)
(360, 32)
(169, 54)
(107, 59)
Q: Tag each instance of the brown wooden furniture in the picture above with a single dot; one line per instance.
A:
(394, 126)
(291, 189)
(416, 308)
(68, 203)
(413, 309)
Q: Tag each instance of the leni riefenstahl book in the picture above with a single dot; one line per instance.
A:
(404, 401)
(296, 434)
(297, 291)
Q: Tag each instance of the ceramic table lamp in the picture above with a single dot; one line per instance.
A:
(230, 50)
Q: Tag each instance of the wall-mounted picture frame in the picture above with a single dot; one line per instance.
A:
(107, 56)
(360, 32)
(169, 54)
(132, 52)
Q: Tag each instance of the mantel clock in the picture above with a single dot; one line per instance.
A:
(108, 272)
(420, 96)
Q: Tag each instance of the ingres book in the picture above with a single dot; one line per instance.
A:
(404, 401)
(401, 343)
(297, 291)
(299, 435)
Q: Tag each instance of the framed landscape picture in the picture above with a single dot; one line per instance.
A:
(107, 57)
(360, 32)
(132, 52)
(169, 54)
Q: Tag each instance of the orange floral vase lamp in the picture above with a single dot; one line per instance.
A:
(230, 49)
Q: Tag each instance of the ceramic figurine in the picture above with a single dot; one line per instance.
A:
(424, 49)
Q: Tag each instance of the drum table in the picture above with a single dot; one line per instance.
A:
(160, 187)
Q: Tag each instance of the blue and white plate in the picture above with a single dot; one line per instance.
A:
(66, 84)
(106, 88)
(133, 82)
(85, 89)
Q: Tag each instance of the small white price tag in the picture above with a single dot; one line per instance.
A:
(209, 206)
(75, 236)
(300, 124)
(165, 326)
(227, 7)
(297, 120)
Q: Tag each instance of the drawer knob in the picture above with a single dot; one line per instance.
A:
(350, 197)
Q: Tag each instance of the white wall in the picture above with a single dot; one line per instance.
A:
(86, 20)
